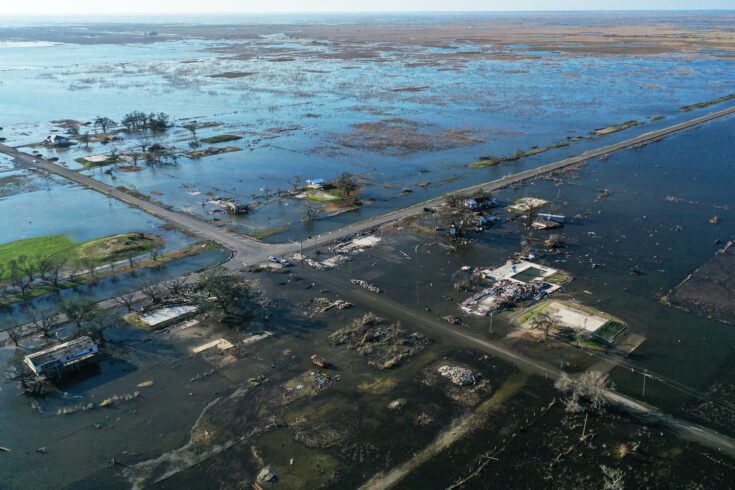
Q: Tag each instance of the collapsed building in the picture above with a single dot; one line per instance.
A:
(62, 359)
(514, 282)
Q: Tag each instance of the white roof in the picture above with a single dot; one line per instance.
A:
(167, 314)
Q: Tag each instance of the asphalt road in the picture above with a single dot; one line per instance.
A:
(248, 251)
(428, 323)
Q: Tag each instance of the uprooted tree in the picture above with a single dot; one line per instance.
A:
(586, 392)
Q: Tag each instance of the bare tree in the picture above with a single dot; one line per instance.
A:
(28, 267)
(177, 287)
(590, 387)
(18, 279)
(79, 311)
(56, 266)
(14, 334)
(152, 291)
(104, 122)
(126, 299)
(97, 325)
(613, 478)
(89, 265)
(544, 322)
(44, 320)
(346, 183)
(85, 139)
(156, 252)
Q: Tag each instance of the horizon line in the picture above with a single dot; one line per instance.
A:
(332, 12)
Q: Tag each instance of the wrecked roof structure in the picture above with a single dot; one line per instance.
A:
(58, 360)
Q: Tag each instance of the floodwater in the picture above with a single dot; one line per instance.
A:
(636, 225)
(297, 100)
(555, 96)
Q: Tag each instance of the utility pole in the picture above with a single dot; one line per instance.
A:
(645, 375)
(492, 315)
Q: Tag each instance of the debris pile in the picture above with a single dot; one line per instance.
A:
(458, 375)
(366, 285)
(267, 475)
(322, 305)
(384, 345)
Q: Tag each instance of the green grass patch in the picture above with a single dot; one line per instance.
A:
(330, 195)
(88, 164)
(134, 192)
(707, 103)
(559, 277)
(33, 249)
(532, 312)
(264, 233)
(95, 252)
(221, 138)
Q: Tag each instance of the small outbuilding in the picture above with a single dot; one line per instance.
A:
(167, 316)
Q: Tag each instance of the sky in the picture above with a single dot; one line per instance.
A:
(101, 7)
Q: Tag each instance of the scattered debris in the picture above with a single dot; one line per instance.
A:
(526, 204)
(384, 345)
(221, 344)
(230, 205)
(267, 475)
(119, 398)
(322, 305)
(366, 285)
(256, 337)
(458, 375)
(318, 361)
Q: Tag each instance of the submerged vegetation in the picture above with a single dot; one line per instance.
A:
(221, 138)
(489, 161)
(707, 103)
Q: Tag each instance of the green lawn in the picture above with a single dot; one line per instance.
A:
(99, 252)
(33, 248)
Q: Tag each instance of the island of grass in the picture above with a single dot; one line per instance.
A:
(211, 151)
(616, 128)
(707, 103)
(492, 161)
(221, 138)
(98, 160)
(42, 251)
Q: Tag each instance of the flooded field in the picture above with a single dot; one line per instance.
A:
(368, 363)
(398, 114)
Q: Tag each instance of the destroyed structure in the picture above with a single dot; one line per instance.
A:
(513, 283)
(230, 205)
(59, 360)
